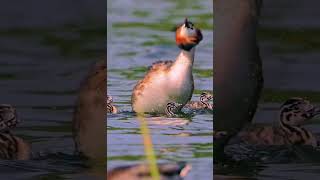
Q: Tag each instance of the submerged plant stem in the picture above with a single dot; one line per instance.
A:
(148, 148)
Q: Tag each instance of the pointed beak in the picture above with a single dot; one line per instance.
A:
(186, 22)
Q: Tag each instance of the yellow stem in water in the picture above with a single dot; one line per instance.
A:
(148, 148)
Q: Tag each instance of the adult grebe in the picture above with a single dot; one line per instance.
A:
(168, 81)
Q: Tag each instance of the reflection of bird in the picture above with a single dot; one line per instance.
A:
(202, 104)
(11, 147)
(111, 108)
(88, 124)
(8, 117)
(168, 81)
(168, 171)
(293, 113)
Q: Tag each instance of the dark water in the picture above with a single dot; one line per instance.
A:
(137, 37)
(289, 47)
(40, 72)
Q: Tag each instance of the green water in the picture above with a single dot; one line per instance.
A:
(137, 37)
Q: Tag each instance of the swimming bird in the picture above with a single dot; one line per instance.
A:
(202, 104)
(8, 117)
(168, 171)
(11, 146)
(111, 108)
(169, 81)
(293, 113)
(172, 108)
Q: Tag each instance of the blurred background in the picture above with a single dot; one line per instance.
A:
(289, 41)
(46, 49)
(139, 33)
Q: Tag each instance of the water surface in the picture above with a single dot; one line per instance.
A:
(139, 34)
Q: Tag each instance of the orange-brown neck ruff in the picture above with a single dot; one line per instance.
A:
(186, 43)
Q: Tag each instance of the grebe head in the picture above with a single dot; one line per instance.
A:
(187, 36)
(296, 111)
(204, 98)
(109, 99)
(8, 117)
(172, 108)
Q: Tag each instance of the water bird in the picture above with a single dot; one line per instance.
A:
(169, 81)
(293, 113)
(202, 104)
(168, 171)
(11, 146)
(172, 108)
(111, 108)
(8, 117)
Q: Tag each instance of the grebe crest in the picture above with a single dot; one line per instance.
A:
(8, 117)
(172, 108)
(187, 36)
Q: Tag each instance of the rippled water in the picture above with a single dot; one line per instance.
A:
(276, 162)
(40, 72)
(289, 47)
(139, 34)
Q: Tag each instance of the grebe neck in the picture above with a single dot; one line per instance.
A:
(186, 57)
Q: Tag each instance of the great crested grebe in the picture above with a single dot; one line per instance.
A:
(111, 108)
(168, 81)
(167, 171)
(293, 113)
(11, 147)
(202, 104)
